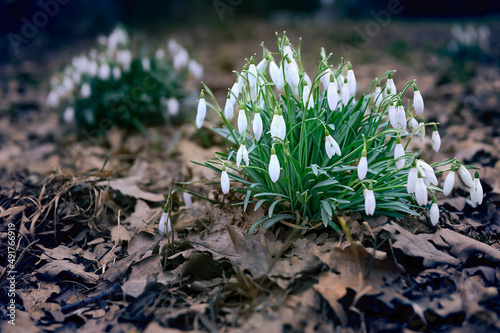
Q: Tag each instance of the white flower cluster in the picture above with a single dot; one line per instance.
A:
(113, 60)
(470, 36)
(338, 89)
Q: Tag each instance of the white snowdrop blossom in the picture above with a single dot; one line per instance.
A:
(242, 154)
(370, 202)
(332, 96)
(146, 64)
(195, 69)
(393, 119)
(326, 78)
(307, 80)
(104, 72)
(173, 106)
(449, 182)
(465, 176)
(434, 212)
(187, 199)
(257, 126)
(291, 74)
(278, 126)
(69, 115)
(242, 119)
(165, 226)
(202, 110)
(276, 75)
(274, 166)
(399, 151)
(421, 130)
(418, 102)
(362, 165)
(421, 192)
(377, 95)
(436, 139)
(124, 58)
(181, 59)
(229, 107)
(252, 80)
(262, 65)
(345, 93)
(52, 99)
(307, 98)
(413, 124)
(331, 146)
(390, 87)
(117, 73)
(427, 173)
(412, 180)
(235, 91)
(351, 80)
(160, 54)
(85, 91)
(400, 116)
(224, 180)
(476, 191)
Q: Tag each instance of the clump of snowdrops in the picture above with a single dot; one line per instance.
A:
(117, 84)
(309, 148)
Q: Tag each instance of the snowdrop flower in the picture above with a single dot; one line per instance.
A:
(160, 54)
(165, 225)
(257, 124)
(92, 68)
(332, 95)
(69, 115)
(362, 165)
(421, 130)
(195, 69)
(117, 38)
(465, 176)
(325, 78)
(412, 179)
(401, 116)
(390, 87)
(413, 124)
(436, 139)
(124, 58)
(173, 106)
(202, 110)
(421, 191)
(68, 83)
(418, 102)
(434, 212)
(252, 79)
(235, 91)
(291, 74)
(398, 152)
(173, 46)
(146, 64)
(187, 199)
(85, 91)
(181, 59)
(242, 154)
(449, 182)
(476, 191)
(351, 80)
(104, 72)
(377, 95)
(229, 107)
(427, 173)
(331, 146)
(274, 166)
(345, 92)
(242, 119)
(117, 73)
(307, 79)
(52, 99)
(276, 75)
(393, 120)
(307, 98)
(370, 202)
(224, 180)
(278, 126)
(262, 65)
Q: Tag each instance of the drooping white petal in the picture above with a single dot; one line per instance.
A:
(242, 154)
(351, 81)
(307, 80)
(274, 168)
(436, 141)
(412, 180)
(331, 147)
(242, 121)
(401, 117)
(257, 126)
(195, 69)
(224, 182)
(201, 112)
(421, 192)
(278, 127)
(418, 102)
(187, 199)
(229, 108)
(332, 96)
(262, 66)
(476, 192)
(434, 213)
(252, 81)
(393, 119)
(370, 202)
(345, 94)
(427, 173)
(85, 91)
(173, 106)
(276, 75)
(165, 226)
(413, 124)
(421, 131)
(362, 168)
(325, 78)
(465, 176)
(377, 96)
(398, 152)
(449, 182)
(291, 74)
(307, 98)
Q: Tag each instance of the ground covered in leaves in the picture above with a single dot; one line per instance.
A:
(90, 259)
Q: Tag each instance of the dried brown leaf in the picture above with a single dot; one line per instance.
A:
(52, 269)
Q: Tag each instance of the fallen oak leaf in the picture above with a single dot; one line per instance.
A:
(52, 269)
